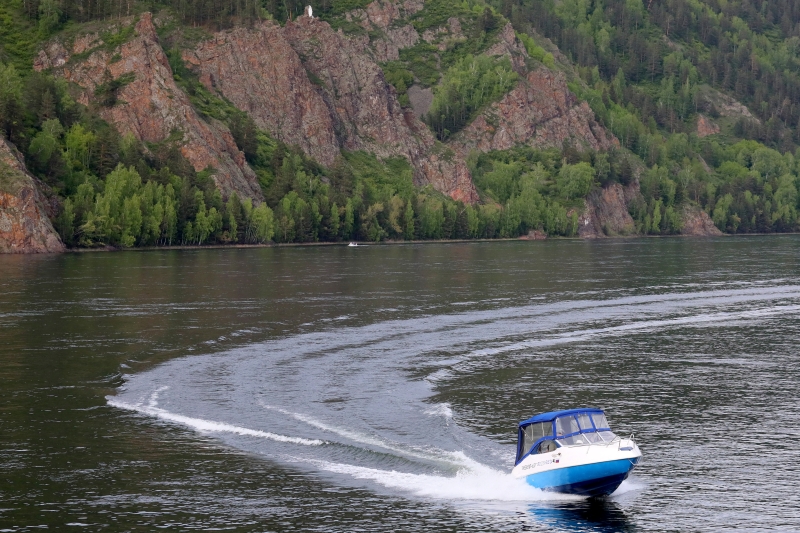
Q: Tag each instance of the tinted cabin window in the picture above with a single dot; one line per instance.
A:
(542, 429)
(566, 425)
(584, 422)
(527, 440)
(535, 432)
(600, 421)
(592, 437)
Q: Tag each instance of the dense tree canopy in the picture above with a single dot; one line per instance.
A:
(647, 69)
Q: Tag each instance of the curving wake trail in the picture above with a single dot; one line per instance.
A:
(354, 404)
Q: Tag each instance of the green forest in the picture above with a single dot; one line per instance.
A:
(647, 69)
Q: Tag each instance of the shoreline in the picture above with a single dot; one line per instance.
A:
(394, 243)
(286, 245)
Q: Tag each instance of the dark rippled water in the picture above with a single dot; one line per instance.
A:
(378, 388)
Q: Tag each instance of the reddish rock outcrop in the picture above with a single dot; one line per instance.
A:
(24, 225)
(705, 126)
(540, 111)
(261, 74)
(606, 212)
(364, 107)
(152, 106)
(696, 222)
(442, 36)
(712, 101)
(366, 110)
(508, 45)
(268, 72)
(314, 87)
(388, 36)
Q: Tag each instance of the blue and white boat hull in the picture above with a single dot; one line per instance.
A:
(595, 479)
(588, 470)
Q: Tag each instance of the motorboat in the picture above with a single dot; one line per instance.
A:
(574, 452)
(353, 244)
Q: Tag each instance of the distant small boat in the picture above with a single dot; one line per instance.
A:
(353, 244)
(574, 452)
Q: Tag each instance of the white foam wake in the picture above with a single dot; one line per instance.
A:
(641, 326)
(455, 458)
(632, 484)
(441, 409)
(210, 426)
(478, 483)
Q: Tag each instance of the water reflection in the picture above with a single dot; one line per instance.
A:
(593, 514)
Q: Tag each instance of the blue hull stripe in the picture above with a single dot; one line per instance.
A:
(591, 480)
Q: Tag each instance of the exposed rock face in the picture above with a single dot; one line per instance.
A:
(259, 72)
(421, 99)
(364, 107)
(24, 226)
(316, 88)
(367, 112)
(440, 36)
(606, 213)
(705, 126)
(54, 55)
(540, 111)
(711, 100)
(696, 222)
(267, 71)
(511, 47)
(381, 17)
(152, 106)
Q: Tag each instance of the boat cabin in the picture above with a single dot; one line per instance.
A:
(549, 431)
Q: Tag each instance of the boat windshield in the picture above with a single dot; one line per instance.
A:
(566, 425)
(546, 432)
(583, 428)
(600, 421)
(588, 438)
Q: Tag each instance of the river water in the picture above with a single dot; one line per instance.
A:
(378, 388)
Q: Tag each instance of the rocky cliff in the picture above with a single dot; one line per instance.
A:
(149, 104)
(311, 86)
(24, 223)
(321, 90)
(697, 223)
(706, 126)
(388, 27)
(540, 111)
(606, 212)
(259, 72)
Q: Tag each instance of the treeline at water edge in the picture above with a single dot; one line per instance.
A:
(118, 192)
(650, 74)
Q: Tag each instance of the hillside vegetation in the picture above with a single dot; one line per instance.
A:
(649, 69)
(703, 96)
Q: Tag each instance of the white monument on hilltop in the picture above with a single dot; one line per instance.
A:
(309, 12)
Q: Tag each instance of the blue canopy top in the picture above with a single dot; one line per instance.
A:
(552, 415)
